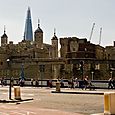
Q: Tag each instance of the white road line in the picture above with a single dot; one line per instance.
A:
(8, 107)
(30, 112)
(4, 93)
(28, 94)
(2, 113)
(17, 113)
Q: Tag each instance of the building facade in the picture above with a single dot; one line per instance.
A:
(84, 58)
(78, 57)
(31, 52)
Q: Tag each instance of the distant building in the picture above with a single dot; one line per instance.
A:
(28, 33)
(78, 57)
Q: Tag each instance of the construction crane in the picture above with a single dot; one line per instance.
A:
(100, 36)
(91, 32)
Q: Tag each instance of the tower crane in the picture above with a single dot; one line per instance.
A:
(91, 31)
(100, 36)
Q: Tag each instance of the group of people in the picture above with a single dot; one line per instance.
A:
(111, 83)
(87, 84)
(34, 82)
(73, 83)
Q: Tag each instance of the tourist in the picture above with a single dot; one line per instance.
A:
(110, 83)
(86, 82)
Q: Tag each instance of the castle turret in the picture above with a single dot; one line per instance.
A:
(54, 45)
(38, 36)
(4, 39)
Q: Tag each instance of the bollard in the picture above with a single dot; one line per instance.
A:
(109, 103)
(17, 93)
(58, 86)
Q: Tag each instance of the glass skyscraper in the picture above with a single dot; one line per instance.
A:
(28, 33)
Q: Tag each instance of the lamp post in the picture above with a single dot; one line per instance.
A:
(81, 68)
(92, 74)
(42, 69)
(111, 73)
(8, 62)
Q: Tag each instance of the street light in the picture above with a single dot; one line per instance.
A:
(111, 74)
(81, 68)
(8, 62)
(92, 74)
(42, 69)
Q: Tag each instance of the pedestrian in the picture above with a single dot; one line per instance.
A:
(62, 82)
(22, 81)
(76, 82)
(113, 82)
(2, 81)
(12, 81)
(72, 83)
(17, 82)
(110, 83)
(86, 82)
(50, 83)
(32, 80)
(36, 82)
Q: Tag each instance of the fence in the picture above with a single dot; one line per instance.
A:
(99, 84)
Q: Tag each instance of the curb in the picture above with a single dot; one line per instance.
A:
(80, 92)
(14, 101)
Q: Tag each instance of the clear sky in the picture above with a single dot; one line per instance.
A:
(69, 17)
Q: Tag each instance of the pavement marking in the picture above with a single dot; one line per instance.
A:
(2, 113)
(98, 114)
(8, 107)
(28, 112)
(4, 93)
(28, 94)
(16, 113)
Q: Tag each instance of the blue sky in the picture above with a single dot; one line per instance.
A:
(69, 17)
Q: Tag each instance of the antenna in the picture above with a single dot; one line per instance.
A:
(100, 36)
(91, 32)
(54, 31)
(38, 22)
(4, 29)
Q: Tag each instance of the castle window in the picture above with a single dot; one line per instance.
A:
(97, 66)
(73, 49)
(1, 63)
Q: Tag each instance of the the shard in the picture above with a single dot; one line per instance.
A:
(28, 33)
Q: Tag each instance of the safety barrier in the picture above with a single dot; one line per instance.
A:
(109, 103)
(17, 94)
(58, 86)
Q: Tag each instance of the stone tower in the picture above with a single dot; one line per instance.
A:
(28, 33)
(4, 39)
(38, 36)
(54, 45)
(64, 46)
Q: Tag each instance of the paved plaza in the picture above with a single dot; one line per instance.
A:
(46, 103)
